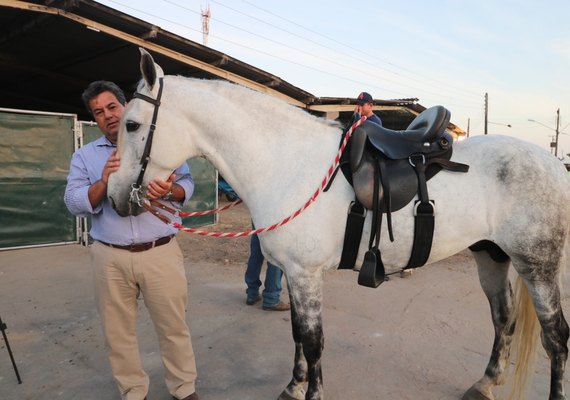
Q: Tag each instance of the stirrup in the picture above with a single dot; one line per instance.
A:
(372, 272)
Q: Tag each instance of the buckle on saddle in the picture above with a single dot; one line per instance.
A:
(418, 203)
(351, 212)
(423, 159)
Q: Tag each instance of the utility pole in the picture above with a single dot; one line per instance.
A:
(552, 143)
(486, 110)
(557, 132)
(468, 123)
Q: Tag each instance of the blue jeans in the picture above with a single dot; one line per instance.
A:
(273, 275)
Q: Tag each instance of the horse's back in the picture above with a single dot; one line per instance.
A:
(515, 168)
(527, 192)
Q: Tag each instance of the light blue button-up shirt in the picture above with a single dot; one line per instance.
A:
(86, 168)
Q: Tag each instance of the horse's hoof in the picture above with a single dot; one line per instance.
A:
(474, 394)
(287, 395)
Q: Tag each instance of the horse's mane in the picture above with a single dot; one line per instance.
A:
(267, 104)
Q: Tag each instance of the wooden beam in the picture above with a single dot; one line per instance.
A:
(350, 107)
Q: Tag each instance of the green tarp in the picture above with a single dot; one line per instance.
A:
(35, 150)
(205, 192)
(34, 159)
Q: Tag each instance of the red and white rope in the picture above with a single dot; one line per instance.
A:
(323, 185)
(206, 212)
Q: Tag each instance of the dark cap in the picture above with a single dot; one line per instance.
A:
(364, 98)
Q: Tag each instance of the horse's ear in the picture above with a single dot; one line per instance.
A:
(149, 69)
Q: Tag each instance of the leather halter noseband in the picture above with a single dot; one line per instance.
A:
(136, 187)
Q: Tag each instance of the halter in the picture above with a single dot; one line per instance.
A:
(135, 195)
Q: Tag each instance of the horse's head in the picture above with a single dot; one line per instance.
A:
(144, 146)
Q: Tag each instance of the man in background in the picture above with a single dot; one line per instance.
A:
(364, 103)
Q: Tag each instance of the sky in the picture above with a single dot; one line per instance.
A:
(443, 52)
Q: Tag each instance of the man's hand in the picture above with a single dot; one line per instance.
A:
(112, 165)
(158, 188)
(98, 190)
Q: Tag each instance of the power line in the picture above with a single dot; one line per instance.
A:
(350, 47)
(307, 53)
(351, 56)
(464, 104)
(346, 66)
(250, 48)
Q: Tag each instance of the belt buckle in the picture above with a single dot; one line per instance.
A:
(137, 247)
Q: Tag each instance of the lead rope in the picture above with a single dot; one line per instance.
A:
(148, 205)
(217, 210)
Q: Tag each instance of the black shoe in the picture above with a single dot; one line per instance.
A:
(193, 396)
(250, 302)
(278, 307)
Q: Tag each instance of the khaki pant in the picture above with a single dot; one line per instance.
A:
(160, 276)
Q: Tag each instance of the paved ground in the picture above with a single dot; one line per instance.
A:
(424, 337)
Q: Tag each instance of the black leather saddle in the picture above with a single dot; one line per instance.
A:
(424, 139)
(387, 169)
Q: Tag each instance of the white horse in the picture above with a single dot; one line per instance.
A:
(513, 202)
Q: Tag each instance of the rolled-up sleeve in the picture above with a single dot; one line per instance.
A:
(76, 195)
(185, 180)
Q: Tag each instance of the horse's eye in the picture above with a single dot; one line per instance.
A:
(132, 126)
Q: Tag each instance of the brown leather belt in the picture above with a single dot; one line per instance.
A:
(138, 247)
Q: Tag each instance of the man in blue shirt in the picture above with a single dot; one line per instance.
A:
(364, 103)
(132, 256)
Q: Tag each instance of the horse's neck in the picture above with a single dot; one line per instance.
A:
(275, 177)
(273, 160)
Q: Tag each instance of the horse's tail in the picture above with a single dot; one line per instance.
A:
(525, 338)
(527, 328)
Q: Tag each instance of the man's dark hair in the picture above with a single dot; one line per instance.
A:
(96, 88)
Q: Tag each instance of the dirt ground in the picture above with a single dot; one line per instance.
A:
(427, 336)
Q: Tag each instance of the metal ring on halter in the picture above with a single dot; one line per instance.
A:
(135, 195)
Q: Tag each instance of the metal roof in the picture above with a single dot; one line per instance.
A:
(50, 53)
(51, 50)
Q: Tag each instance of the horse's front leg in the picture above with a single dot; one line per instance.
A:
(305, 293)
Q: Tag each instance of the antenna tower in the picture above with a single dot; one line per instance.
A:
(205, 24)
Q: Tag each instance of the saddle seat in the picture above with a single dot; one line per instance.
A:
(421, 136)
(424, 139)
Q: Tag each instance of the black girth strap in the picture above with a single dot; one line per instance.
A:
(424, 212)
(352, 234)
(148, 145)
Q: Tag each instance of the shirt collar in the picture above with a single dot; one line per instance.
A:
(103, 141)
